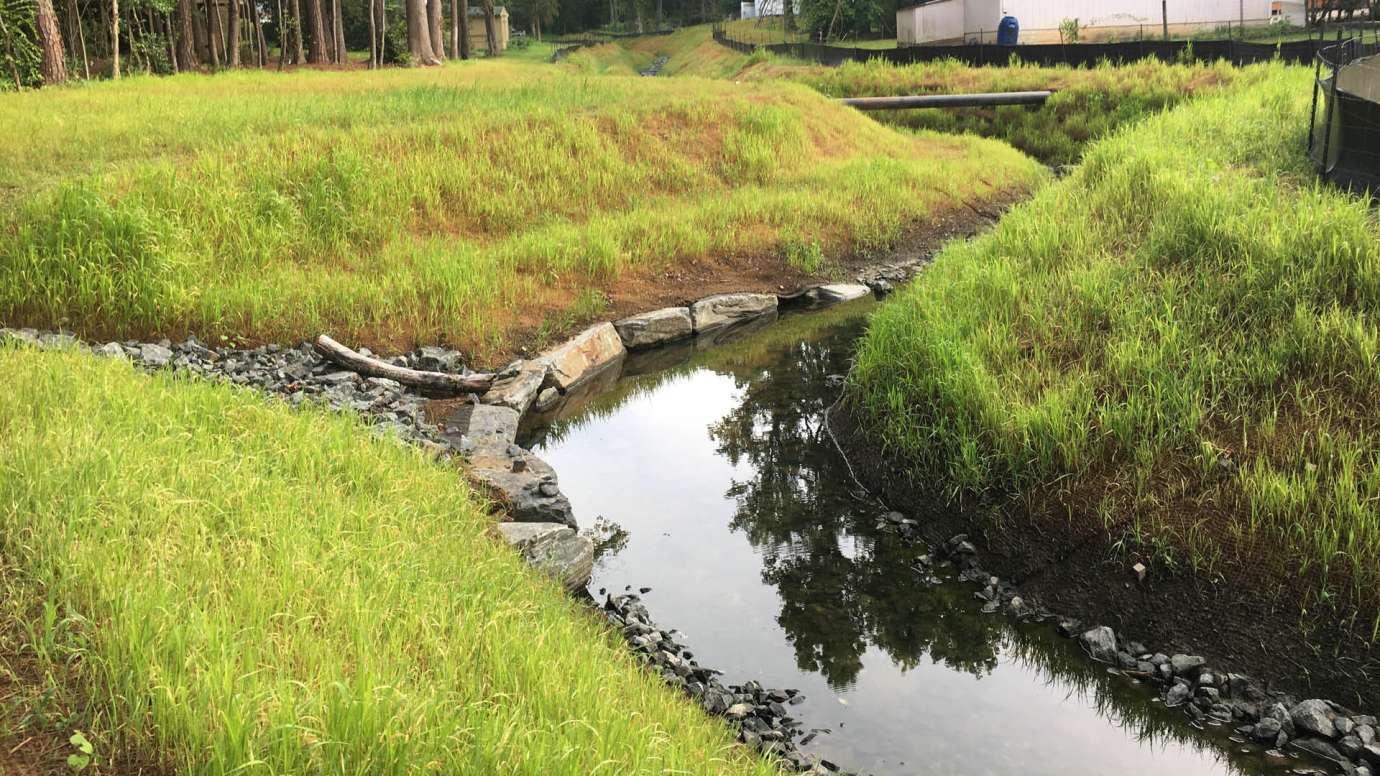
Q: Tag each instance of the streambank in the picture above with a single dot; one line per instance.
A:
(1266, 666)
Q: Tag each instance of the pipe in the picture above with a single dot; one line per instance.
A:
(947, 100)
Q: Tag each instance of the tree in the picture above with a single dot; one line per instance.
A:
(419, 33)
(298, 54)
(464, 22)
(115, 39)
(434, 26)
(337, 32)
(491, 29)
(318, 32)
(54, 66)
(76, 38)
(186, 39)
(232, 53)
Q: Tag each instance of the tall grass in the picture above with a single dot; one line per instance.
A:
(1178, 341)
(223, 585)
(1088, 103)
(463, 204)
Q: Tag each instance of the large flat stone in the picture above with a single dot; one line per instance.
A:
(716, 312)
(518, 389)
(525, 483)
(833, 293)
(655, 328)
(586, 354)
(477, 426)
(554, 549)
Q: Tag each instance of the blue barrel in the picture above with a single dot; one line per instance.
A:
(1008, 31)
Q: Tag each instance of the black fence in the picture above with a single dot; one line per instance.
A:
(1344, 130)
(1074, 54)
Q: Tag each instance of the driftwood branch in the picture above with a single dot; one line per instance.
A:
(440, 382)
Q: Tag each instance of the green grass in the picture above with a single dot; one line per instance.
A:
(1088, 102)
(462, 204)
(1178, 342)
(211, 583)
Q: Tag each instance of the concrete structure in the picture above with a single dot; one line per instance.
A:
(478, 40)
(975, 21)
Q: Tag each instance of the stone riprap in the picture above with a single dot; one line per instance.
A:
(591, 351)
(655, 328)
(554, 549)
(834, 293)
(716, 312)
(517, 386)
(524, 482)
(761, 715)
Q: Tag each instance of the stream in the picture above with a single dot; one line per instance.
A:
(742, 519)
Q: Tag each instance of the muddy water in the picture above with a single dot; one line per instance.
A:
(740, 517)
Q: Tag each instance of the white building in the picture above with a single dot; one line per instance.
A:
(755, 8)
(960, 21)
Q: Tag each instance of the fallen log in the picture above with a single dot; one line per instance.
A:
(438, 382)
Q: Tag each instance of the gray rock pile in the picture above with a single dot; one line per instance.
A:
(761, 715)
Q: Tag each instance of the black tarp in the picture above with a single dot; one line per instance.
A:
(1346, 133)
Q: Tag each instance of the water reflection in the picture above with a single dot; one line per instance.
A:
(742, 519)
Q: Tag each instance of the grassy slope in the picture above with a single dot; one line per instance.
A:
(462, 204)
(1087, 104)
(231, 584)
(1178, 341)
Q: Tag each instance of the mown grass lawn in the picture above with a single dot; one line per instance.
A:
(208, 583)
(1178, 342)
(469, 204)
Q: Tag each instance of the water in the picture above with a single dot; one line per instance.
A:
(740, 516)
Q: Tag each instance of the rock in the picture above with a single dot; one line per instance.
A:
(1100, 643)
(1178, 695)
(478, 426)
(1350, 746)
(548, 398)
(554, 549)
(337, 378)
(833, 293)
(716, 312)
(1371, 754)
(1186, 665)
(1366, 733)
(738, 710)
(111, 350)
(519, 389)
(155, 355)
(1266, 730)
(1318, 748)
(438, 359)
(19, 336)
(517, 477)
(655, 328)
(584, 355)
(1313, 716)
(1344, 725)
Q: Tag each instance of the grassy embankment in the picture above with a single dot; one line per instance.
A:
(1088, 104)
(471, 204)
(205, 582)
(1177, 343)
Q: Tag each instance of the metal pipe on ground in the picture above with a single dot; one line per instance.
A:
(947, 100)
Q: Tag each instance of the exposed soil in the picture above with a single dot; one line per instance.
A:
(1240, 619)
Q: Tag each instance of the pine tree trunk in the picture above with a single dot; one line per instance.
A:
(435, 25)
(259, 34)
(298, 55)
(54, 65)
(115, 39)
(383, 32)
(419, 33)
(233, 48)
(464, 17)
(490, 29)
(213, 33)
(373, 39)
(454, 28)
(172, 41)
(341, 54)
(317, 25)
